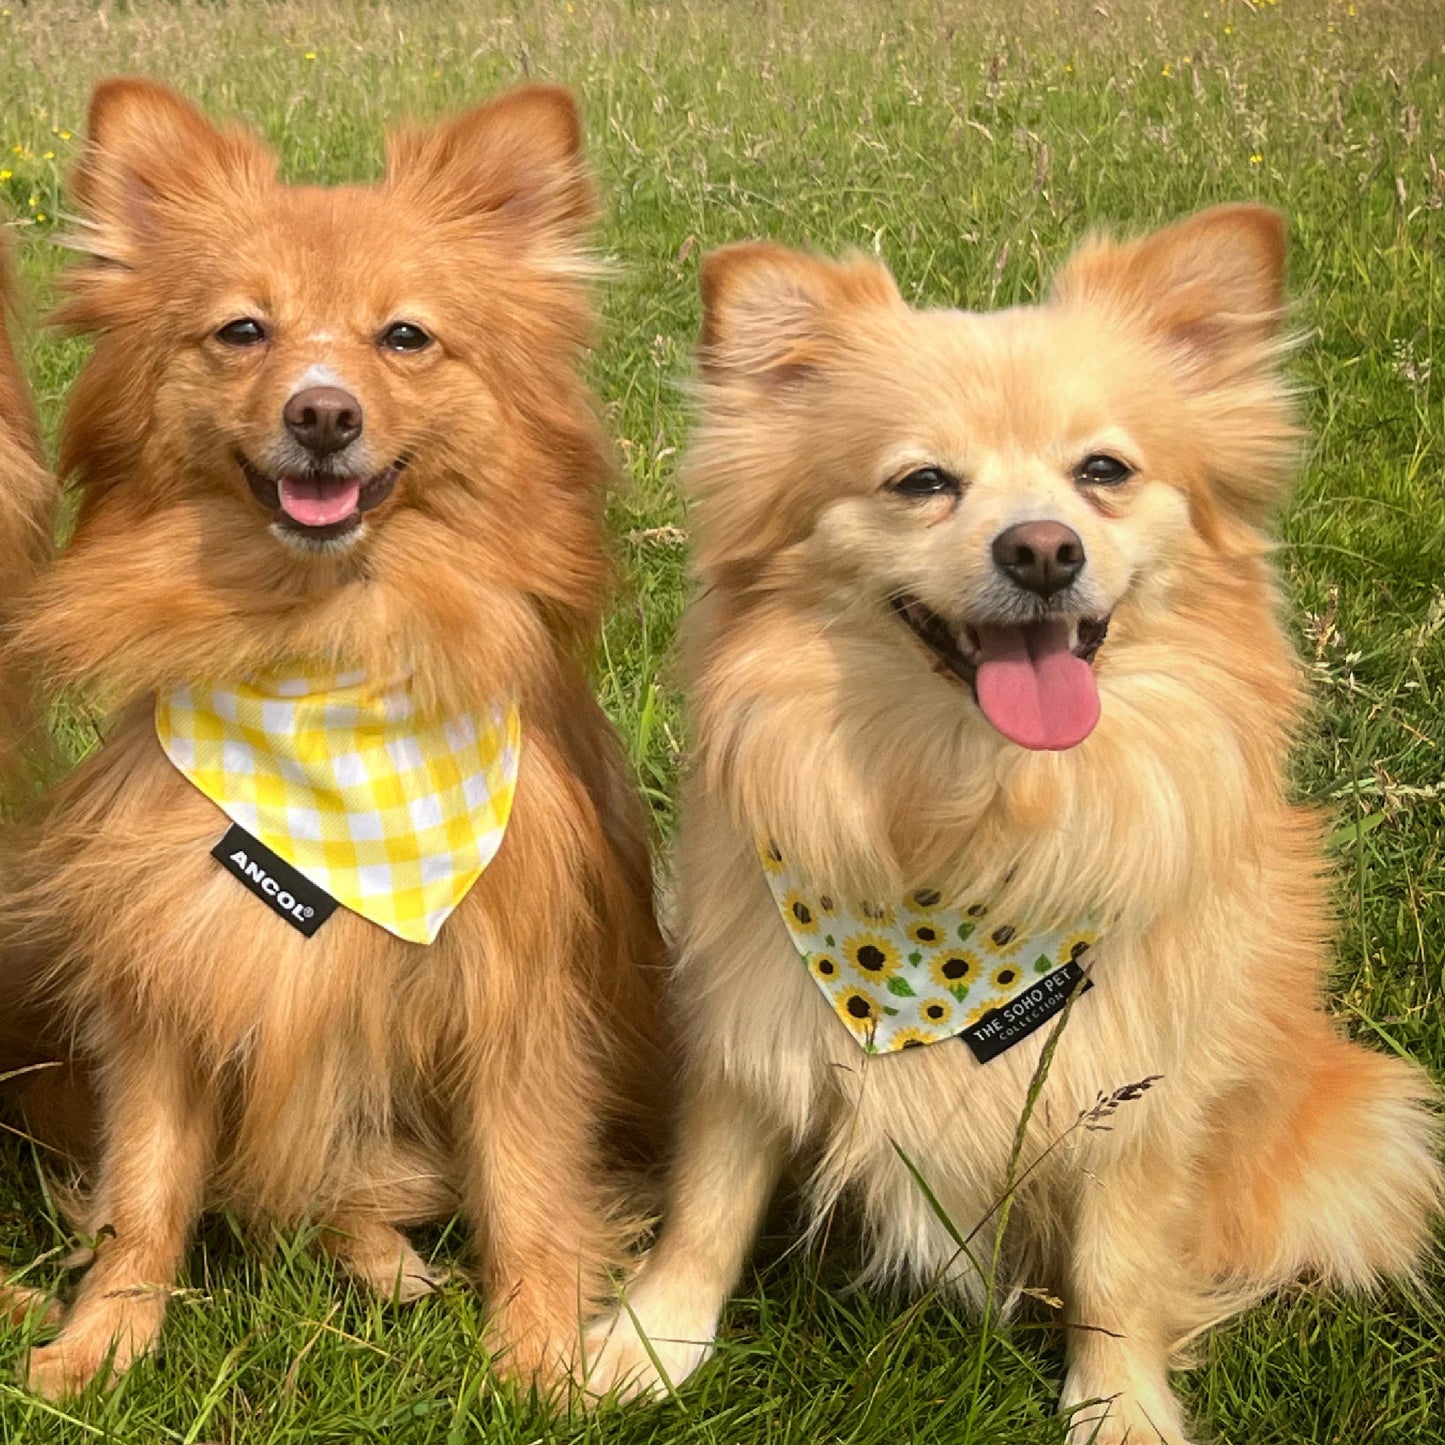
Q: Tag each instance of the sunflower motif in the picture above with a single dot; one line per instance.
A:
(910, 1039)
(1076, 946)
(1006, 940)
(858, 1011)
(799, 914)
(978, 1014)
(1006, 975)
(872, 954)
(926, 933)
(771, 855)
(935, 1011)
(955, 967)
(827, 906)
(878, 915)
(825, 967)
(925, 900)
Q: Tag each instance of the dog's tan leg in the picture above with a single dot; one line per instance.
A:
(160, 1137)
(728, 1160)
(533, 1186)
(1124, 1276)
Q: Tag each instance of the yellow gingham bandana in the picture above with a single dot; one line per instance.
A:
(923, 970)
(393, 815)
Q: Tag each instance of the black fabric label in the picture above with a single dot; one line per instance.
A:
(1001, 1028)
(274, 881)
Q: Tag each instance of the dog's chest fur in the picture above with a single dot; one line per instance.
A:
(1156, 1013)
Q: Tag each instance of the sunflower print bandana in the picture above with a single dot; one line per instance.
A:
(918, 971)
(393, 814)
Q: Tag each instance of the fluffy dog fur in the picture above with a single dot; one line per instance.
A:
(351, 1078)
(27, 518)
(1271, 1148)
(27, 507)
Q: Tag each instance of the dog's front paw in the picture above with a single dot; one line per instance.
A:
(109, 1333)
(66, 1366)
(640, 1353)
(1100, 1416)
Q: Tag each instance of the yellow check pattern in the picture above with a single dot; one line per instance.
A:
(393, 814)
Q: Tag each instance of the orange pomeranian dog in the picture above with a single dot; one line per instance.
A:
(352, 910)
(992, 703)
(27, 518)
(27, 514)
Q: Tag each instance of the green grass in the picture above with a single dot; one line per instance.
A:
(971, 146)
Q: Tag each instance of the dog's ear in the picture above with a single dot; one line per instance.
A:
(1212, 286)
(147, 150)
(1208, 292)
(515, 161)
(771, 316)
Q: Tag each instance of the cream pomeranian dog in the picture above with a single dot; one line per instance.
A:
(992, 704)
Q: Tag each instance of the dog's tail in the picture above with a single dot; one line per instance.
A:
(1334, 1174)
(28, 496)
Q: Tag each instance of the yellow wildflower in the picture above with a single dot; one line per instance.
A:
(310, 55)
(5, 175)
(1256, 159)
(48, 156)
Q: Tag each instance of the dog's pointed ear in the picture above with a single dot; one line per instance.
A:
(147, 149)
(771, 315)
(1212, 285)
(515, 161)
(1209, 293)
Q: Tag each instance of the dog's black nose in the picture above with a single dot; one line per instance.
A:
(1043, 557)
(323, 419)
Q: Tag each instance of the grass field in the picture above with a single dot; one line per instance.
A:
(969, 145)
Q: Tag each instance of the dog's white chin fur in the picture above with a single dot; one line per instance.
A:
(305, 546)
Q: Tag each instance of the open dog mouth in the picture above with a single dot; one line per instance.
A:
(1033, 681)
(319, 506)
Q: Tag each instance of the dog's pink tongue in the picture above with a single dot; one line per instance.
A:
(1032, 688)
(319, 501)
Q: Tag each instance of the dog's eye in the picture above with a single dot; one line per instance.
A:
(246, 331)
(1102, 470)
(926, 482)
(405, 336)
